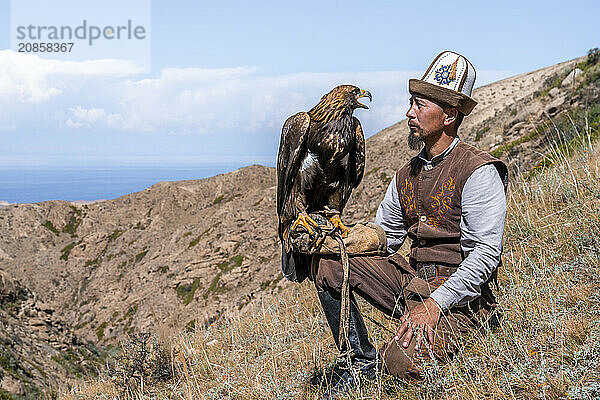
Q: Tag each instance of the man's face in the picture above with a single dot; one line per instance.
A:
(425, 120)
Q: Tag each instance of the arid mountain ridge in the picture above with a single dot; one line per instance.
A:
(184, 252)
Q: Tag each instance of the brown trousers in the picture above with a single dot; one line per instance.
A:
(392, 286)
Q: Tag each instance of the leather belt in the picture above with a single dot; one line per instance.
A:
(428, 271)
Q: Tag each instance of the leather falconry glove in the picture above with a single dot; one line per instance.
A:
(363, 239)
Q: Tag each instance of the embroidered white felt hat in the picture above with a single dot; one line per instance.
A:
(449, 79)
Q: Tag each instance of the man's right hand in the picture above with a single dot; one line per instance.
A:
(420, 321)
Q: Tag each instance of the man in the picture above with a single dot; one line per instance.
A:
(450, 201)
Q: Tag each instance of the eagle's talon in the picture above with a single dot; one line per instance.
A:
(311, 226)
(337, 223)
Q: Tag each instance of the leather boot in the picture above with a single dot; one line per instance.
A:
(364, 361)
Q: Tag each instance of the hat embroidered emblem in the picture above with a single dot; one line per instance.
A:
(446, 73)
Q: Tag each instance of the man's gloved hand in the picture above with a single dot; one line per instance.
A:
(363, 239)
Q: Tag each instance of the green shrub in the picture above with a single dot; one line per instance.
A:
(186, 292)
(593, 56)
(218, 199)
(233, 262)
(499, 151)
(131, 311)
(592, 76)
(48, 225)
(481, 132)
(74, 221)
(385, 178)
(66, 251)
(551, 83)
(95, 262)
(140, 256)
(236, 261)
(115, 235)
(100, 330)
(197, 240)
(214, 288)
(372, 171)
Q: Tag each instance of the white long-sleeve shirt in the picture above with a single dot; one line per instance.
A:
(483, 206)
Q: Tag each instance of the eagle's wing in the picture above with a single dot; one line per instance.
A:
(356, 165)
(358, 169)
(292, 148)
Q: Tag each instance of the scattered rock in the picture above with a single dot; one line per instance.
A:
(229, 246)
(89, 317)
(35, 345)
(553, 107)
(517, 128)
(10, 290)
(554, 92)
(13, 386)
(574, 76)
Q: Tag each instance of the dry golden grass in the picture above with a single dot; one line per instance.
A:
(547, 347)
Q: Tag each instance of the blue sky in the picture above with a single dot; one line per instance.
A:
(225, 75)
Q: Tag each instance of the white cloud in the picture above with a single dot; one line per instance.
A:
(87, 118)
(27, 78)
(184, 101)
(105, 94)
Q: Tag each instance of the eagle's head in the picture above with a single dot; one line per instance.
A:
(341, 100)
(347, 96)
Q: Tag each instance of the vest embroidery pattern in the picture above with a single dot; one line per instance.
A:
(407, 197)
(441, 202)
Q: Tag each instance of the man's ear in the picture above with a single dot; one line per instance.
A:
(450, 115)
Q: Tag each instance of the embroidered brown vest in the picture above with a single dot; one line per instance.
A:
(431, 202)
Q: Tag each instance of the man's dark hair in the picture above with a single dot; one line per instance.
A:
(459, 116)
(458, 121)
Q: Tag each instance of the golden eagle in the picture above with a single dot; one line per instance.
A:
(321, 160)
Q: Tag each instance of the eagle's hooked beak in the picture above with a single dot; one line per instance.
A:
(364, 93)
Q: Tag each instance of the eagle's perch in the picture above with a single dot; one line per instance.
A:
(321, 160)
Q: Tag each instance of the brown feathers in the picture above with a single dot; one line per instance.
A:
(339, 102)
(321, 160)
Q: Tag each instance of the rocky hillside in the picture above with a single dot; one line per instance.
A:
(38, 351)
(184, 252)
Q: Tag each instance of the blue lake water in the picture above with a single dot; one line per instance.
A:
(34, 184)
